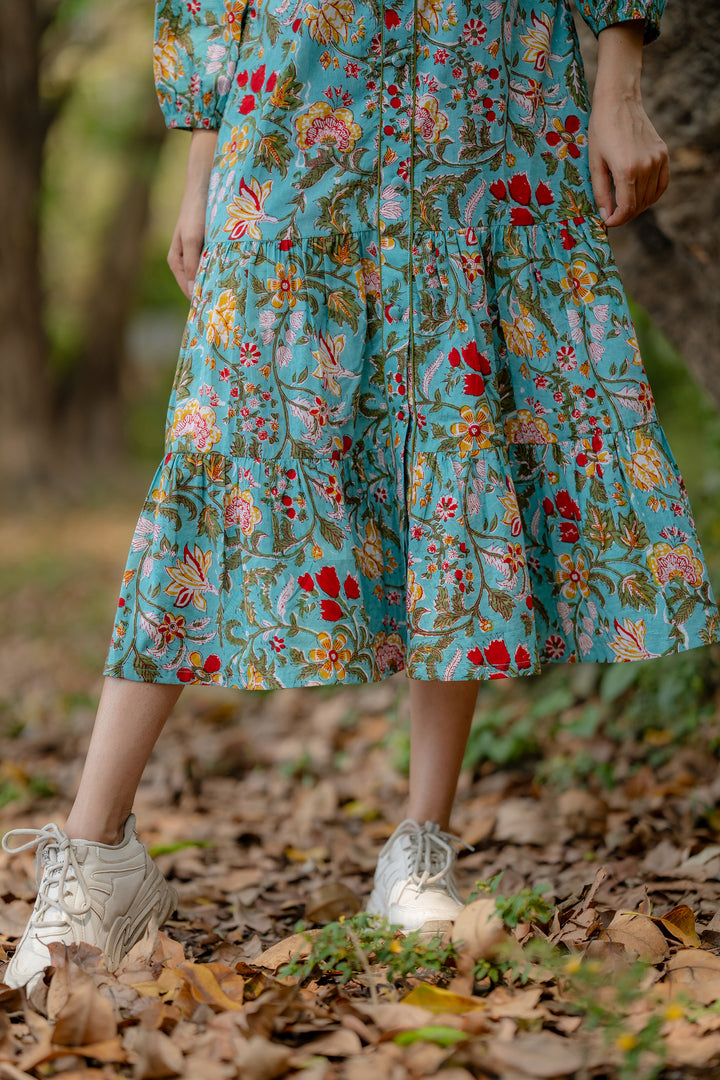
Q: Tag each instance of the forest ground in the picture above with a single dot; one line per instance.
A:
(590, 797)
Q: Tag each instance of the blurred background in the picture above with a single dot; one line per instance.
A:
(90, 326)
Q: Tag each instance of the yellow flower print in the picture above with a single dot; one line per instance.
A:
(165, 57)
(221, 319)
(525, 427)
(235, 145)
(322, 124)
(511, 516)
(667, 562)
(537, 41)
(369, 557)
(254, 679)
(473, 430)
(418, 475)
(579, 282)
(519, 333)
(429, 122)
(332, 655)
(629, 641)
(647, 468)
(428, 14)
(573, 577)
(247, 210)
(328, 361)
(328, 22)
(415, 590)
(241, 511)
(232, 18)
(285, 285)
(197, 422)
(189, 581)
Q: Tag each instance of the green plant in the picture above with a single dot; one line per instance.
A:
(526, 906)
(350, 946)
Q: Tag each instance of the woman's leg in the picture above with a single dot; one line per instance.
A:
(130, 717)
(440, 717)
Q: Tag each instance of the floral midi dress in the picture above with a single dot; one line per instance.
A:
(410, 426)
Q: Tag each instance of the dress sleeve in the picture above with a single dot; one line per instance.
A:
(599, 14)
(194, 58)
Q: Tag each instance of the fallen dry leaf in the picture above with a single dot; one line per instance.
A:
(152, 1053)
(637, 933)
(437, 999)
(285, 950)
(330, 901)
(478, 932)
(540, 1054)
(698, 972)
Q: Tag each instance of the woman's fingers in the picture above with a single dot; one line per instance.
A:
(176, 260)
(602, 190)
(192, 249)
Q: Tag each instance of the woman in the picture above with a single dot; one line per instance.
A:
(410, 427)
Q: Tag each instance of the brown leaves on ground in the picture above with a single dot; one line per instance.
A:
(267, 809)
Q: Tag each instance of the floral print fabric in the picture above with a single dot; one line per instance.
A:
(410, 426)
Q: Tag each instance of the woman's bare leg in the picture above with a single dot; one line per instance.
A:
(129, 719)
(440, 717)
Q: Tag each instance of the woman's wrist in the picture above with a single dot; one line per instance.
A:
(620, 49)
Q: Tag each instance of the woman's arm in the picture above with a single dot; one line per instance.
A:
(623, 144)
(187, 241)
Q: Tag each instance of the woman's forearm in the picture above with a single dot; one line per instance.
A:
(620, 50)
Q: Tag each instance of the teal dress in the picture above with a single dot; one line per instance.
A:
(410, 426)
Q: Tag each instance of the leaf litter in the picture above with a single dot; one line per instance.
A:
(588, 948)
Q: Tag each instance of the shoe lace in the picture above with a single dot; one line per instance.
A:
(432, 853)
(56, 865)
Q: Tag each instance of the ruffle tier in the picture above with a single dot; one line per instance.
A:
(438, 453)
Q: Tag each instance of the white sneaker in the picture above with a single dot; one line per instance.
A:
(415, 876)
(103, 894)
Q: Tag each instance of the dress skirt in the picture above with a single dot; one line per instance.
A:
(410, 427)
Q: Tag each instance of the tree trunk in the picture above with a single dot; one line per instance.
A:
(669, 257)
(24, 413)
(92, 413)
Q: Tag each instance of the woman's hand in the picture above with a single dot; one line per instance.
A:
(187, 241)
(624, 147)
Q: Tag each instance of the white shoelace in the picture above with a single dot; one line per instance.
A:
(432, 852)
(55, 862)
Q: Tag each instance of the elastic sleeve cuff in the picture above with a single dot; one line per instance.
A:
(600, 14)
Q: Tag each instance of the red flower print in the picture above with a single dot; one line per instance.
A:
(544, 195)
(520, 216)
(474, 384)
(306, 582)
(257, 79)
(498, 189)
(520, 190)
(496, 654)
(392, 19)
(567, 240)
(454, 358)
(475, 360)
(330, 610)
(522, 658)
(212, 664)
(554, 647)
(328, 580)
(185, 674)
(567, 506)
(352, 589)
(548, 506)
(475, 656)
(569, 532)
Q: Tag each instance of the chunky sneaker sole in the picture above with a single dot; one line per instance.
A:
(414, 885)
(101, 894)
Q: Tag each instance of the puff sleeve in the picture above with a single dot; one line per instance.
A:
(194, 58)
(599, 14)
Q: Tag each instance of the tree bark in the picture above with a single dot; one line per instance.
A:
(91, 412)
(24, 399)
(669, 257)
